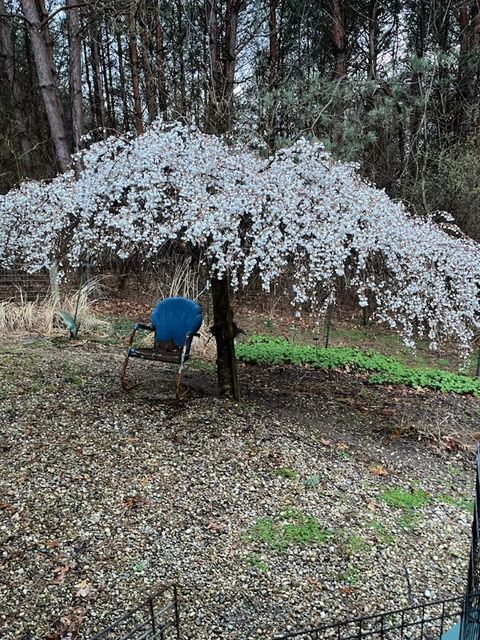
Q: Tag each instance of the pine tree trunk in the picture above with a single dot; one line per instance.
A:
(372, 40)
(214, 94)
(109, 87)
(98, 97)
(121, 73)
(225, 330)
(150, 92)
(48, 85)
(180, 46)
(133, 51)
(272, 74)
(160, 67)
(75, 72)
(339, 39)
(230, 59)
(7, 52)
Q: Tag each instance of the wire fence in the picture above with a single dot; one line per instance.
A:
(156, 617)
(18, 283)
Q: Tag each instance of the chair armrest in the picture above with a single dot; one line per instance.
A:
(136, 327)
(145, 327)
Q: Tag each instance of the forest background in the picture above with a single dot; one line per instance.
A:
(392, 85)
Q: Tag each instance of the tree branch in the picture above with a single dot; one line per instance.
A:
(44, 23)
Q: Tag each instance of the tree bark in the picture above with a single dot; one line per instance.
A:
(339, 39)
(225, 330)
(133, 51)
(75, 72)
(182, 104)
(150, 92)
(48, 85)
(219, 120)
(109, 89)
(229, 62)
(7, 53)
(372, 40)
(272, 74)
(160, 66)
(98, 95)
(214, 94)
(121, 73)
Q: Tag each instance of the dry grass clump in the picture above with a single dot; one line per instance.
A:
(22, 316)
(205, 346)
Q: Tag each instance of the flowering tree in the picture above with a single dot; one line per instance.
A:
(299, 210)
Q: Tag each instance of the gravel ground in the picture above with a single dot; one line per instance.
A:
(270, 514)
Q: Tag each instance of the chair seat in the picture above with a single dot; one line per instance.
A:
(156, 353)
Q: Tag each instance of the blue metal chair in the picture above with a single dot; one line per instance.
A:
(176, 322)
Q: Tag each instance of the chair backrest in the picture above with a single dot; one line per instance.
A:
(173, 318)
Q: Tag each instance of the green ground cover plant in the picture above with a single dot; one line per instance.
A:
(460, 502)
(290, 527)
(265, 350)
(403, 499)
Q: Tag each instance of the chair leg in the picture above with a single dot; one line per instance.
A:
(123, 371)
(177, 384)
(178, 395)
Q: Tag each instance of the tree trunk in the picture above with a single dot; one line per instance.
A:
(182, 104)
(339, 39)
(7, 53)
(219, 120)
(89, 81)
(109, 89)
(372, 40)
(214, 94)
(271, 115)
(121, 73)
(147, 72)
(133, 51)
(98, 96)
(229, 61)
(75, 72)
(225, 330)
(160, 66)
(48, 85)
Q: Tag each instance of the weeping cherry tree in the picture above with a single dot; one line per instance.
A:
(299, 212)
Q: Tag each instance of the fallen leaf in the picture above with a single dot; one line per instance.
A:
(325, 442)
(60, 572)
(51, 544)
(387, 412)
(5, 506)
(84, 589)
(377, 470)
(345, 589)
(130, 502)
(371, 506)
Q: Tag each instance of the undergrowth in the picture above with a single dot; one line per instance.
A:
(266, 350)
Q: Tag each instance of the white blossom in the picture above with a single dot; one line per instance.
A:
(298, 211)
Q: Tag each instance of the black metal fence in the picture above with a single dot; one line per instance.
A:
(470, 626)
(156, 617)
(428, 621)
